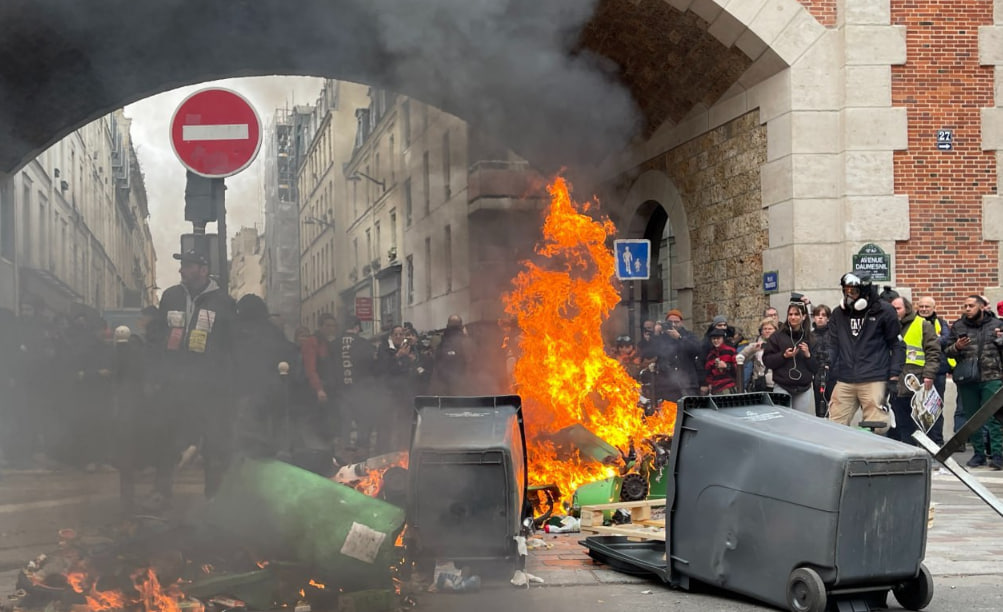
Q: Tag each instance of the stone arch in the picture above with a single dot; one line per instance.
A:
(650, 190)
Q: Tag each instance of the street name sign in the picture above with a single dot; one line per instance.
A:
(633, 259)
(215, 132)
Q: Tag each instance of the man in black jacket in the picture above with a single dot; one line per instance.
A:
(355, 362)
(868, 351)
(196, 370)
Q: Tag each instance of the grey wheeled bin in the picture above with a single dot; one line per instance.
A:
(788, 509)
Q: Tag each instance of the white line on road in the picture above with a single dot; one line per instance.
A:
(223, 131)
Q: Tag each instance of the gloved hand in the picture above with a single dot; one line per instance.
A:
(891, 391)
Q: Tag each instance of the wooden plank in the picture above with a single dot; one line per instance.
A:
(648, 503)
(644, 533)
(640, 512)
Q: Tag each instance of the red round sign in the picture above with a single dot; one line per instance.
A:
(215, 133)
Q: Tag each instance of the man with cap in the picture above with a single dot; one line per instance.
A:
(197, 317)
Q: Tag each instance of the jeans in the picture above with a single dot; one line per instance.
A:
(803, 401)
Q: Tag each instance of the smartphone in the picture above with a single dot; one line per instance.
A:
(962, 336)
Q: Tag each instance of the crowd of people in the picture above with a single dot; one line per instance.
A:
(205, 377)
(866, 359)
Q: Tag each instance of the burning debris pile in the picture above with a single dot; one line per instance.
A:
(269, 539)
(563, 373)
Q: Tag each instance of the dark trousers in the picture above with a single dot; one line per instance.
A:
(904, 425)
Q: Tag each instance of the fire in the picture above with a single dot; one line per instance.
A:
(372, 481)
(317, 585)
(564, 374)
(149, 595)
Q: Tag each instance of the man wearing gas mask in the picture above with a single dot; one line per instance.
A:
(867, 351)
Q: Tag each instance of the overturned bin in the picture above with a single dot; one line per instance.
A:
(788, 509)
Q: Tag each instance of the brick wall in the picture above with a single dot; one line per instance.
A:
(822, 10)
(943, 87)
(717, 175)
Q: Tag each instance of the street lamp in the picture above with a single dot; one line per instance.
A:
(358, 175)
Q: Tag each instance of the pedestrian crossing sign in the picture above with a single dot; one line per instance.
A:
(633, 259)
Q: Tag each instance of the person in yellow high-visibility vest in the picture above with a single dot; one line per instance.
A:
(926, 307)
(922, 358)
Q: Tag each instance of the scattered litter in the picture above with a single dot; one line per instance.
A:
(448, 577)
(537, 543)
(523, 578)
(648, 592)
(564, 524)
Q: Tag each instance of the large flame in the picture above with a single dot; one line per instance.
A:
(563, 373)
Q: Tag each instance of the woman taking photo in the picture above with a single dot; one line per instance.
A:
(789, 354)
(762, 377)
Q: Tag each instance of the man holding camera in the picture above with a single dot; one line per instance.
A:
(976, 341)
(676, 351)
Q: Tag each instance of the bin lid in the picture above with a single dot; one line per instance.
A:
(462, 424)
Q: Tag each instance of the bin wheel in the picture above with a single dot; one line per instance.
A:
(915, 594)
(805, 591)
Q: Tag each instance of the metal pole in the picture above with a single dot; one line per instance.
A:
(224, 268)
(630, 310)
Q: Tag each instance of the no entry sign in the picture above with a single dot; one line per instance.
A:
(215, 133)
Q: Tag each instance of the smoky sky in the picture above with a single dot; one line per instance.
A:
(513, 69)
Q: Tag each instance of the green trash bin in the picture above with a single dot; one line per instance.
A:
(285, 513)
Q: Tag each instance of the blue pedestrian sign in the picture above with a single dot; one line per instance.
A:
(633, 259)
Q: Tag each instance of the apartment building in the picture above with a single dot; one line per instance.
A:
(73, 225)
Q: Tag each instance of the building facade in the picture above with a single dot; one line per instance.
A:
(246, 272)
(73, 225)
(321, 184)
(401, 201)
(280, 259)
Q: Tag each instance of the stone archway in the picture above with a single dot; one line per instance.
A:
(650, 193)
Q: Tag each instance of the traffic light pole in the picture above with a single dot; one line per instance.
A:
(219, 191)
(205, 201)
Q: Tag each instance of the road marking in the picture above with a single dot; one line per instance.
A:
(222, 131)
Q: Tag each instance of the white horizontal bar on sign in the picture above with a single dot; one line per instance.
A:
(232, 131)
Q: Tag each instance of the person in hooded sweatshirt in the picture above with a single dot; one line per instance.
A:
(867, 351)
(788, 353)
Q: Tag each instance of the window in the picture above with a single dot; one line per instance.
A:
(355, 200)
(408, 209)
(447, 254)
(369, 244)
(393, 228)
(428, 268)
(378, 241)
(26, 246)
(445, 166)
(406, 124)
(392, 161)
(424, 180)
(7, 233)
(410, 279)
(43, 233)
